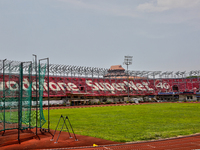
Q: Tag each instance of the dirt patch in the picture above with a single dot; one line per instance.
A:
(28, 140)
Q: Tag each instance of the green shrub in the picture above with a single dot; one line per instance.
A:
(108, 102)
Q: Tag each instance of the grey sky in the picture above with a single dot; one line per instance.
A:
(159, 34)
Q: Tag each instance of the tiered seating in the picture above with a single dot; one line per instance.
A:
(111, 85)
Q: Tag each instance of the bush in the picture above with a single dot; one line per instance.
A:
(108, 102)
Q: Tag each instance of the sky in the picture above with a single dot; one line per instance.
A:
(161, 35)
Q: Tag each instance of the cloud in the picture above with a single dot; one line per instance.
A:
(171, 12)
(163, 5)
(104, 6)
(153, 11)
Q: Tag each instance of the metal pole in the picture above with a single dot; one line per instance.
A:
(128, 82)
(67, 127)
(20, 100)
(48, 95)
(39, 69)
(60, 130)
(48, 91)
(4, 119)
(128, 61)
(19, 108)
(30, 82)
(56, 128)
(72, 128)
(36, 91)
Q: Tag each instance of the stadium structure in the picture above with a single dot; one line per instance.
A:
(78, 85)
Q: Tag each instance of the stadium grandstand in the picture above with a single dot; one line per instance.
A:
(78, 85)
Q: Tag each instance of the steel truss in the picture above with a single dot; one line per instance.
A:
(81, 71)
(71, 72)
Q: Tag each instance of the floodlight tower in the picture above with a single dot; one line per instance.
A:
(127, 62)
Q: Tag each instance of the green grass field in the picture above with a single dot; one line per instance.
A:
(132, 122)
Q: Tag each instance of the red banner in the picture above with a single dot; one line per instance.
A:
(63, 86)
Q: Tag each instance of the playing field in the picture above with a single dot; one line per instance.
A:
(132, 122)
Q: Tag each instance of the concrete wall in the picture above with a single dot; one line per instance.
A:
(187, 98)
(182, 97)
(94, 101)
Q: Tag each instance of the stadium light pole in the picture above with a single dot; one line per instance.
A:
(127, 62)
